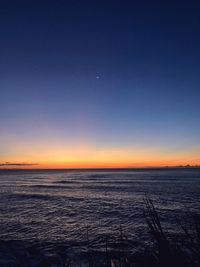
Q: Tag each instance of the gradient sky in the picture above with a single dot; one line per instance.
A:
(99, 83)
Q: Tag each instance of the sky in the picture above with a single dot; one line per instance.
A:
(99, 83)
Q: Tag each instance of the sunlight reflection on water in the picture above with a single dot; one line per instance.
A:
(60, 205)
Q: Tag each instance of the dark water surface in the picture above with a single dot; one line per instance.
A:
(65, 205)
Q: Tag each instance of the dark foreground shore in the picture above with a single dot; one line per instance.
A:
(161, 249)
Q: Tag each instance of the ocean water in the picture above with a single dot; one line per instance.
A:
(70, 205)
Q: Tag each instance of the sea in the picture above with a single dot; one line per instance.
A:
(79, 206)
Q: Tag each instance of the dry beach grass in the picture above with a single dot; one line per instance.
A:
(162, 249)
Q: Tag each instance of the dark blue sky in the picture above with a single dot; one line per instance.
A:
(115, 73)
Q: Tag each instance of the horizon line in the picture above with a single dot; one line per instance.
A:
(110, 168)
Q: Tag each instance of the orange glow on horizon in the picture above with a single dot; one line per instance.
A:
(87, 164)
(86, 155)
